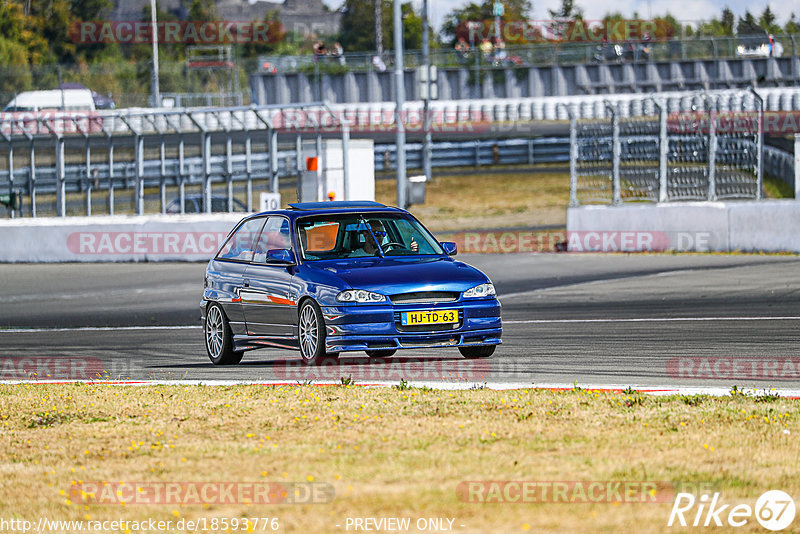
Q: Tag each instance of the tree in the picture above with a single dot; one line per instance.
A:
(792, 25)
(728, 20)
(455, 22)
(767, 21)
(203, 10)
(748, 25)
(568, 11)
(358, 27)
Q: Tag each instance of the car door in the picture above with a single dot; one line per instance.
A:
(269, 299)
(226, 274)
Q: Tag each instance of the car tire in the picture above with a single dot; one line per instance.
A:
(482, 351)
(311, 333)
(382, 353)
(218, 337)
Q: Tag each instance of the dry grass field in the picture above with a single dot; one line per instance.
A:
(392, 452)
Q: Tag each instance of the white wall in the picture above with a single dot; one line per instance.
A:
(767, 226)
(118, 238)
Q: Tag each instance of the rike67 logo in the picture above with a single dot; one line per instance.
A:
(774, 510)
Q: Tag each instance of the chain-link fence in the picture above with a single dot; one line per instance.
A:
(664, 155)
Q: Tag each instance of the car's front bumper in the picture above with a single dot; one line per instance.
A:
(378, 327)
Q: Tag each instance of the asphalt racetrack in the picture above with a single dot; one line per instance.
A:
(650, 321)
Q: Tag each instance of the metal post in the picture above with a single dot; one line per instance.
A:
(229, 168)
(712, 155)
(206, 137)
(273, 160)
(320, 167)
(426, 119)
(156, 95)
(110, 176)
(663, 153)
(760, 146)
(573, 159)
(797, 166)
(346, 159)
(139, 174)
(298, 154)
(88, 177)
(61, 192)
(12, 205)
(316, 78)
(616, 196)
(248, 164)
(377, 15)
(163, 175)
(181, 185)
(477, 54)
(400, 95)
(32, 178)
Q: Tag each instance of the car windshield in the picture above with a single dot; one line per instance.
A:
(334, 237)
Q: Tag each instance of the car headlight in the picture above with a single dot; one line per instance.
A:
(359, 295)
(483, 290)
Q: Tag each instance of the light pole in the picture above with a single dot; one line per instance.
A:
(400, 97)
(156, 93)
(426, 119)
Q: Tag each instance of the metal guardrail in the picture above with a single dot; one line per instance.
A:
(134, 149)
(622, 159)
(478, 153)
(547, 53)
(110, 131)
(191, 172)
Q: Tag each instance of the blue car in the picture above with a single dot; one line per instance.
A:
(333, 277)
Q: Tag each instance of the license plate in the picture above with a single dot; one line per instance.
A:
(429, 317)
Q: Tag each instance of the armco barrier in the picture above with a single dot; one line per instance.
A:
(764, 226)
(118, 238)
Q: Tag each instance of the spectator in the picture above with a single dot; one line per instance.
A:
(486, 48)
(462, 49)
(319, 50)
(500, 54)
(378, 64)
(338, 52)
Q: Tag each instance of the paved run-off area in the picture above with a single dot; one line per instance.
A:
(613, 320)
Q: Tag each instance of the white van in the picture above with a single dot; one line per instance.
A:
(56, 99)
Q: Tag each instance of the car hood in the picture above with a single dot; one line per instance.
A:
(393, 275)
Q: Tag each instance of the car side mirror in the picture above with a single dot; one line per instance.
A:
(280, 256)
(450, 248)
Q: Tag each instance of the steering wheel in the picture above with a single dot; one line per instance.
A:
(387, 246)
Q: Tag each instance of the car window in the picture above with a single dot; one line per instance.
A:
(319, 237)
(407, 233)
(275, 235)
(241, 243)
(353, 235)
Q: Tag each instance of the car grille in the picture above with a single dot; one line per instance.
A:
(425, 297)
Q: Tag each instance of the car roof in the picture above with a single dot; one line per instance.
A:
(302, 209)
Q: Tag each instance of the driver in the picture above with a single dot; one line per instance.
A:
(381, 236)
(368, 247)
